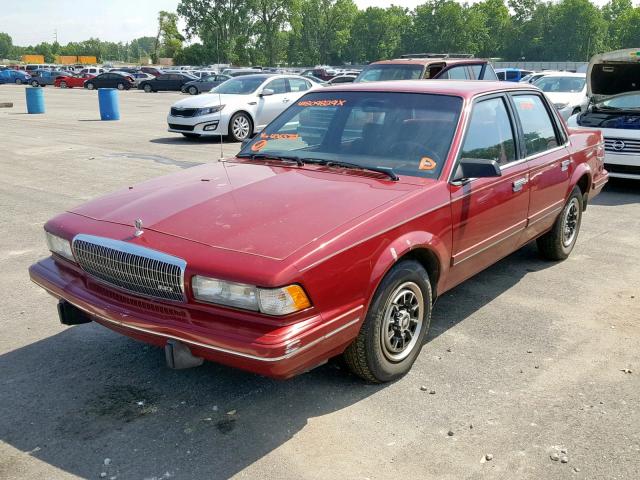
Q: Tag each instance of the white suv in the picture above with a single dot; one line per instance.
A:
(614, 108)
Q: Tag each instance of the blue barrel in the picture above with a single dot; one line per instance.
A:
(108, 100)
(35, 99)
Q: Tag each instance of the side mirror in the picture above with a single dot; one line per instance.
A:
(267, 92)
(476, 168)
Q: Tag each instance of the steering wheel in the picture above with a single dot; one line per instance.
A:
(414, 149)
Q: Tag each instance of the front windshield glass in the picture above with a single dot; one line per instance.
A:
(408, 132)
(240, 85)
(561, 84)
(383, 72)
(630, 101)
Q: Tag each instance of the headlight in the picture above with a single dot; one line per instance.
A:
(271, 301)
(208, 110)
(560, 106)
(59, 246)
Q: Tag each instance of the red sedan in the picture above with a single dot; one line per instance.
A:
(71, 80)
(333, 231)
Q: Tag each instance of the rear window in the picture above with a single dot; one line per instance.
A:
(384, 72)
(537, 126)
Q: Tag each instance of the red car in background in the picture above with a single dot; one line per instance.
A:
(333, 231)
(72, 80)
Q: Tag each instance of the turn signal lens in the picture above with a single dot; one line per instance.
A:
(281, 301)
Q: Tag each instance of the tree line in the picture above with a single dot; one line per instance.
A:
(335, 32)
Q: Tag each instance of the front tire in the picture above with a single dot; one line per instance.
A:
(63, 84)
(558, 243)
(240, 127)
(120, 86)
(35, 84)
(90, 86)
(18, 81)
(147, 88)
(396, 324)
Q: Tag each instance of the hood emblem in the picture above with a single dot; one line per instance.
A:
(618, 145)
(138, 224)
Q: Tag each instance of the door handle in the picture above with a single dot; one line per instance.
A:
(564, 165)
(518, 184)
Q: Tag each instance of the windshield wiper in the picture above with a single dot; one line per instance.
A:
(334, 163)
(268, 156)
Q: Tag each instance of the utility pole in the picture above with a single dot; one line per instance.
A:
(55, 35)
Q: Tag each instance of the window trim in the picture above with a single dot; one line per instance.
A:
(514, 131)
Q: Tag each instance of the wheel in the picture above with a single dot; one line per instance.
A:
(90, 86)
(120, 86)
(193, 90)
(63, 84)
(240, 127)
(18, 81)
(557, 243)
(395, 326)
(147, 88)
(35, 83)
(191, 135)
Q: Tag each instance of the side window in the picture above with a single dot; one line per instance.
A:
(456, 73)
(489, 133)
(500, 76)
(537, 126)
(164, 77)
(298, 85)
(512, 76)
(279, 85)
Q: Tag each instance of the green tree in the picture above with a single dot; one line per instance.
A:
(614, 14)
(377, 33)
(270, 17)
(169, 39)
(496, 19)
(629, 28)
(6, 44)
(578, 31)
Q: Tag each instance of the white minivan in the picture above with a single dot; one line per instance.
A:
(613, 87)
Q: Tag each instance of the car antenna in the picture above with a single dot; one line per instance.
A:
(219, 97)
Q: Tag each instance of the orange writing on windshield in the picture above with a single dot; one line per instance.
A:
(322, 103)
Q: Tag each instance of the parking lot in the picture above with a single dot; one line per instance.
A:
(523, 361)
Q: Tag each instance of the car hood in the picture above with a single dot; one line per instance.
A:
(213, 99)
(270, 211)
(613, 73)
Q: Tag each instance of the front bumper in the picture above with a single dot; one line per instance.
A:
(275, 351)
(622, 165)
(205, 125)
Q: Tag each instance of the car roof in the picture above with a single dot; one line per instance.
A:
(427, 61)
(460, 88)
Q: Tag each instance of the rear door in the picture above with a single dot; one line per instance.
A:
(550, 163)
(489, 215)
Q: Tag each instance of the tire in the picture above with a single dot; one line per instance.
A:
(240, 127)
(193, 90)
(63, 84)
(120, 86)
(18, 81)
(35, 83)
(558, 243)
(147, 88)
(373, 355)
(90, 86)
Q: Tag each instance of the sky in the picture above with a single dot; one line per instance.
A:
(30, 22)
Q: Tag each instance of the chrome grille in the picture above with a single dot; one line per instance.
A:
(621, 145)
(131, 267)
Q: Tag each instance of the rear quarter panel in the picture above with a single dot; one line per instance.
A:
(587, 152)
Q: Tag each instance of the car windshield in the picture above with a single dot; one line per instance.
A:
(240, 85)
(560, 84)
(627, 101)
(384, 72)
(409, 133)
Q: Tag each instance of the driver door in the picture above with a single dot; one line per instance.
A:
(270, 106)
(489, 215)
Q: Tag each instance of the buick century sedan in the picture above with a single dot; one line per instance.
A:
(333, 231)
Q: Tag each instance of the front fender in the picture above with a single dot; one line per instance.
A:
(404, 245)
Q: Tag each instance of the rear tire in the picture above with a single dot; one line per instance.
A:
(558, 243)
(395, 326)
(120, 86)
(147, 88)
(63, 84)
(18, 81)
(193, 90)
(90, 86)
(35, 84)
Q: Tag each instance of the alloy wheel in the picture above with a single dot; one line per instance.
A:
(402, 321)
(241, 127)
